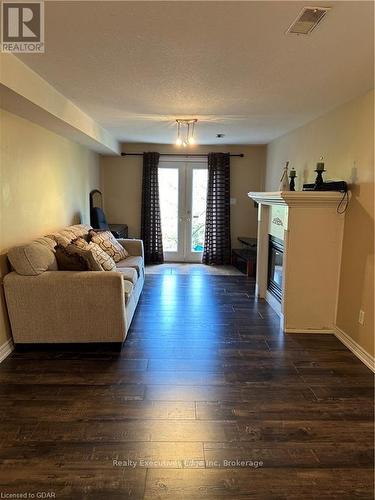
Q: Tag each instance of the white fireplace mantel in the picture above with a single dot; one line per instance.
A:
(313, 199)
(310, 230)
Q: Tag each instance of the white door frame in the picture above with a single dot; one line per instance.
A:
(185, 175)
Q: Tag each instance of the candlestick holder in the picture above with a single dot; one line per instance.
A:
(319, 179)
(292, 176)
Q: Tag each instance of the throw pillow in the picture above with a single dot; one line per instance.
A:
(86, 255)
(70, 261)
(80, 242)
(65, 237)
(32, 259)
(104, 261)
(109, 244)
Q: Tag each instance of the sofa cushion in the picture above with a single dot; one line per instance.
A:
(32, 259)
(132, 261)
(129, 273)
(101, 257)
(108, 243)
(128, 290)
(71, 261)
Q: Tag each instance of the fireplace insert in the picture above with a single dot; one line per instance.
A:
(275, 267)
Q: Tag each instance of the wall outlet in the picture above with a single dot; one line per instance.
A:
(361, 317)
(233, 201)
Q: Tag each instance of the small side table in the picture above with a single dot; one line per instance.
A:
(247, 254)
(119, 230)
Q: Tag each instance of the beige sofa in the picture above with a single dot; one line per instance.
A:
(47, 305)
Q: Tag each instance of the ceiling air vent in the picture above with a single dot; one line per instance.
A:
(307, 20)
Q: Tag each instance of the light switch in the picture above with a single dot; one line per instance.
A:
(233, 201)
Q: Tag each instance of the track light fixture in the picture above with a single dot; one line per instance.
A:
(185, 131)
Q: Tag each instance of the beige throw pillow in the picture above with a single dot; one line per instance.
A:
(67, 235)
(32, 259)
(101, 258)
(109, 244)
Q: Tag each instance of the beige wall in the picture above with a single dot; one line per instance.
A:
(121, 181)
(45, 183)
(345, 138)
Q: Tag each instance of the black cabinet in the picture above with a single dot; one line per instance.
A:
(119, 230)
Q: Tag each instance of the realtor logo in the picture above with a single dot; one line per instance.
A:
(22, 27)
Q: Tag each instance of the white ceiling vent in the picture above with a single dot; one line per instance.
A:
(307, 20)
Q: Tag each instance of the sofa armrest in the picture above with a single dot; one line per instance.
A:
(133, 247)
(66, 306)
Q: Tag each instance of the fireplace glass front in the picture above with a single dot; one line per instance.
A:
(275, 267)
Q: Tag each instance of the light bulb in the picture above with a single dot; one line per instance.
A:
(191, 140)
(178, 142)
(184, 144)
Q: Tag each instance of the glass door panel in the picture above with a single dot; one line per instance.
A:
(182, 192)
(169, 210)
(198, 212)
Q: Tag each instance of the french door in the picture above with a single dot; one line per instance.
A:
(182, 193)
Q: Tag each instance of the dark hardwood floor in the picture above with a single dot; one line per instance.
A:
(208, 399)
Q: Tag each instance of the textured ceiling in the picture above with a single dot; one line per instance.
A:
(136, 66)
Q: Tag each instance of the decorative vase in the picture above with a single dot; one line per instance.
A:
(284, 183)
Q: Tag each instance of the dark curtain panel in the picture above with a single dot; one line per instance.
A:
(217, 244)
(150, 219)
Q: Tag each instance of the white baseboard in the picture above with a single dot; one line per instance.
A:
(273, 302)
(356, 349)
(6, 349)
(309, 330)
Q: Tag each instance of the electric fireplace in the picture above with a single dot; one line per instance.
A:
(275, 267)
(298, 267)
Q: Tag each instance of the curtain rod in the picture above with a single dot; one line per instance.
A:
(241, 155)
